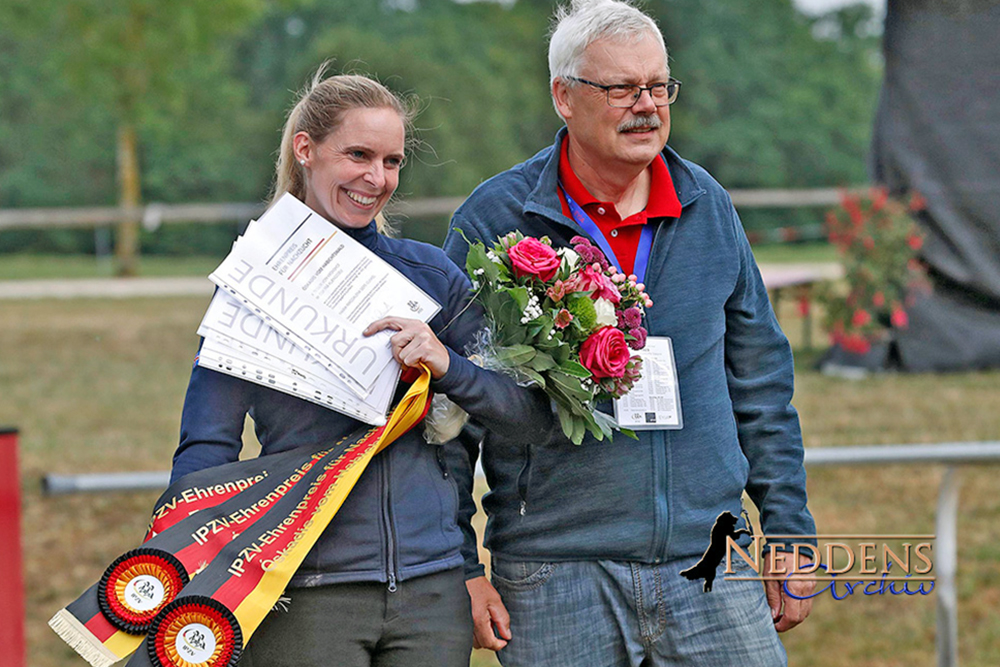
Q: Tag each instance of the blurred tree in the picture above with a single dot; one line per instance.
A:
(770, 98)
(136, 59)
(479, 72)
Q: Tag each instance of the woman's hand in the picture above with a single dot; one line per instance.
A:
(415, 343)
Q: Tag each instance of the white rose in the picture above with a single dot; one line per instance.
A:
(605, 313)
(572, 259)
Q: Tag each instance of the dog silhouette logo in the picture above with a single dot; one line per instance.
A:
(725, 526)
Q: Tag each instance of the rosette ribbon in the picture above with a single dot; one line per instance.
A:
(221, 547)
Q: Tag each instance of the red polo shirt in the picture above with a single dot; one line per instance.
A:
(622, 235)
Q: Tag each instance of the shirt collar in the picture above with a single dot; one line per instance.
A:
(663, 201)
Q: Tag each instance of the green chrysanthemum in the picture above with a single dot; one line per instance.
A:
(582, 308)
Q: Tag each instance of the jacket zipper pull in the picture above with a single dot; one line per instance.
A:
(524, 508)
(392, 582)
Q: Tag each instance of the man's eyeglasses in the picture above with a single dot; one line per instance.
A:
(624, 96)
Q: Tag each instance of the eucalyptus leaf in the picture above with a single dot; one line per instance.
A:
(561, 354)
(542, 362)
(516, 355)
(520, 296)
(537, 378)
(595, 430)
(569, 385)
(477, 259)
(574, 368)
(579, 430)
(565, 420)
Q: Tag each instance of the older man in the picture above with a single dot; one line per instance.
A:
(588, 542)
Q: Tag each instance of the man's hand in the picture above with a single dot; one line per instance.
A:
(795, 611)
(488, 613)
(415, 343)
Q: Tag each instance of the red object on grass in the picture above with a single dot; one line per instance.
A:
(11, 582)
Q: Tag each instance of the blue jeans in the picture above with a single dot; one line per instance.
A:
(621, 614)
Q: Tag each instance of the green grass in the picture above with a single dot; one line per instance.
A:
(29, 267)
(795, 253)
(97, 385)
(36, 267)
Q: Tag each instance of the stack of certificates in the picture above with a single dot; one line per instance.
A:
(295, 295)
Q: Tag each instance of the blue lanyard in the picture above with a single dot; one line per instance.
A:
(589, 226)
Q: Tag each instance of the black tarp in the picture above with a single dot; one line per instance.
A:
(937, 131)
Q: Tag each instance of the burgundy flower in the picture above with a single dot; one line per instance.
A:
(630, 318)
(640, 338)
(588, 252)
(563, 318)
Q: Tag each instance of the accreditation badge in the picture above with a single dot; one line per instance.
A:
(654, 401)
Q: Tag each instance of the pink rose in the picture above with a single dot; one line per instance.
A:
(533, 258)
(594, 281)
(605, 353)
(607, 290)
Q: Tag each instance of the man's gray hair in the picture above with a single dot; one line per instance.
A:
(577, 25)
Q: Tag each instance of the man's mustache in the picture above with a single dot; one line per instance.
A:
(644, 122)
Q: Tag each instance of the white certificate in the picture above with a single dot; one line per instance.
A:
(320, 288)
(655, 400)
(239, 343)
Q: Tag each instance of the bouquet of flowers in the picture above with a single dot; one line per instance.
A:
(879, 245)
(564, 319)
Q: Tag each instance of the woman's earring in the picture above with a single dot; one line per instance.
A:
(302, 162)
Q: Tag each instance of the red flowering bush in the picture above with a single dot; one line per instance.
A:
(878, 243)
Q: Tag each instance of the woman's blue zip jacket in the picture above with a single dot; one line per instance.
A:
(401, 519)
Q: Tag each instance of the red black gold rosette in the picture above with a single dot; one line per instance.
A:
(222, 546)
(195, 631)
(137, 586)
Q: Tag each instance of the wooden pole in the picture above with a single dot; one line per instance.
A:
(12, 651)
(127, 239)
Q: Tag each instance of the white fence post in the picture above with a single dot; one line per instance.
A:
(946, 561)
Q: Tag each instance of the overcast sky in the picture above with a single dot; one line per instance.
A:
(807, 6)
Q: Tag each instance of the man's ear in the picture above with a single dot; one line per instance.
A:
(561, 97)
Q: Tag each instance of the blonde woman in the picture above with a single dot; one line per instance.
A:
(384, 585)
